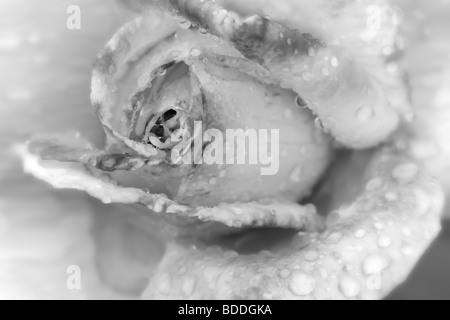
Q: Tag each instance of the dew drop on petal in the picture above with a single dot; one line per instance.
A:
(364, 113)
(323, 273)
(195, 52)
(374, 264)
(188, 285)
(406, 232)
(405, 173)
(319, 124)
(300, 102)
(302, 284)
(349, 287)
(284, 273)
(297, 174)
(311, 255)
(391, 196)
(361, 233)
(423, 203)
(334, 62)
(407, 251)
(384, 241)
(374, 184)
(378, 226)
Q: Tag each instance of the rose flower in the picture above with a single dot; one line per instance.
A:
(322, 148)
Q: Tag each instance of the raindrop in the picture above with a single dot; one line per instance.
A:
(406, 232)
(364, 113)
(407, 251)
(405, 173)
(195, 52)
(349, 287)
(325, 71)
(188, 285)
(374, 264)
(384, 241)
(334, 62)
(300, 102)
(361, 233)
(281, 35)
(302, 284)
(308, 76)
(297, 174)
(391, 197)
(374, 184)
(323, 274)
(318, 123)
(284, 273)
(311, 51)
(378, 226)
(311, 255)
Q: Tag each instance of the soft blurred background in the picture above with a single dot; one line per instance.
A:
(44, 87)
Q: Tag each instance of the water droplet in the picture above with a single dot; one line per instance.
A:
(318, 123)
(237, 211)
(407, 251)
(311, 51)
(297, 174)
(307, 76)
(374, 264)
(188, 285)
(405, 173)
(423, 203)
(323, 273)
(311, 255)
(334, 62)
(300, 102)
(374, 184)
(184, 24)
(364, 113)
(284, 273)
(211, 274)
(289, 41)
(334, 238)
(202, 31)
(164, 282)
(361, 233)
(384, 241)
(195, 52)
(267, 296)
(302, 284)
(406, 232)
(378, 226)
(349, 287)
(162, 71)
(325, 71)
(281, 35)
(391, 196)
